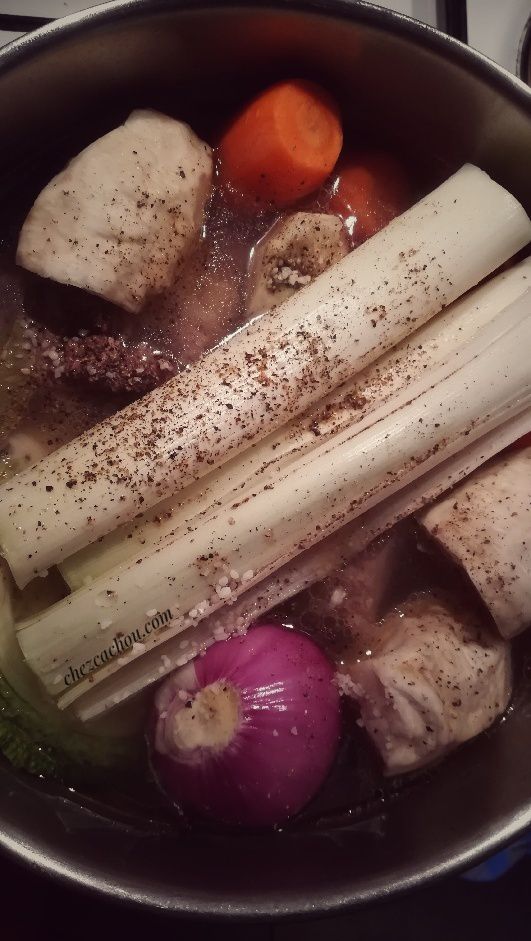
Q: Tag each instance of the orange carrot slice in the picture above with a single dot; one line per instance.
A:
(283, 145)
(372, 189)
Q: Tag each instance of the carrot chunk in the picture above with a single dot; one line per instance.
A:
(371, 189)
(283, 145)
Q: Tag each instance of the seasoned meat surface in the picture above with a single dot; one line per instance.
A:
(297, 249)
(435, 679)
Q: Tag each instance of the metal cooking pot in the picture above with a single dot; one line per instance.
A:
(441, 104)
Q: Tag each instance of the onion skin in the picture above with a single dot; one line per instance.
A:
(284, 740)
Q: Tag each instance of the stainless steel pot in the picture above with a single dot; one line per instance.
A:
(440, 103)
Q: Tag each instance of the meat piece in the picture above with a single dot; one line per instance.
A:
(485, 526)
(124, 213)
(109, 363)
(435, 679)
(340, 611)
(296, 250)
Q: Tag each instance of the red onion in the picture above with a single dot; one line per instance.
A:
(247, 733)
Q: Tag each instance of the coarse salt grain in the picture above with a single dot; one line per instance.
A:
(338, 596)
(166, 661)
(275, 733)
(248, 575)
(139, 647)
(151, 613)
(223, 581)
(293, 730)
(224, 592)
(346, 685)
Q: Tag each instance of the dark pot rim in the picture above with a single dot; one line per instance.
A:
(524, 54)
(361, 10)
(27, 847)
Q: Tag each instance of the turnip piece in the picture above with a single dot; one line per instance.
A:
(124, 213)
(484, 524)
(297, 249)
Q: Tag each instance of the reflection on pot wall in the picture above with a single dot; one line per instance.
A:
(494, 27)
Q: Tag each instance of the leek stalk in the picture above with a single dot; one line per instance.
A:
(478, 388)
(270, 371)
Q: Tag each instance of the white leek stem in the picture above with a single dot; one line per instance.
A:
(275, 368)
(479, 388)
(312, 565)
(454, 326)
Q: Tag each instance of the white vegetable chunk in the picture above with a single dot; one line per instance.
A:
(434, 680)
(267, 373)
(296, 250)
(485, 526)
(122, 215)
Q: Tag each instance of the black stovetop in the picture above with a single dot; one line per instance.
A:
(452, 910)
